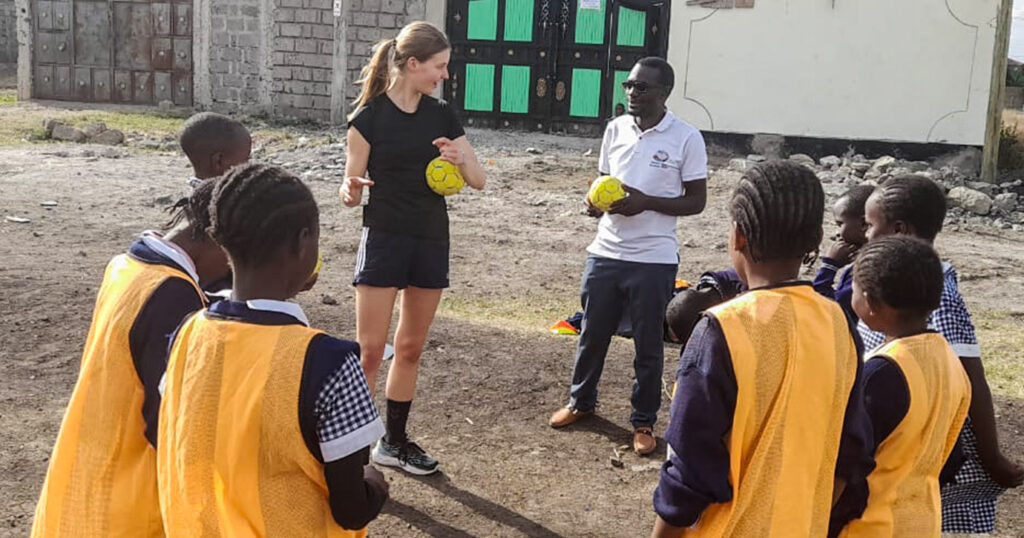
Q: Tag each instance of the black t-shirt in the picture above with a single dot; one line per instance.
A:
(400, 150)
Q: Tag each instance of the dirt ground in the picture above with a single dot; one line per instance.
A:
(491, 373)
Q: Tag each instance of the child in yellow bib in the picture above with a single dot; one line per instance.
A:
(767, 415)
(266, 423)
(915, 390)
(101, 479)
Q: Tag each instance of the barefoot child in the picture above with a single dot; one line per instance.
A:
(266, 422)
(915, 390)
(768, 413)
(101, 479)
(916, 206)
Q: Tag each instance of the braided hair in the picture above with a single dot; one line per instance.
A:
(778, 206)
(256, 209)
(915, 200)
(901, 271)
(194, 209)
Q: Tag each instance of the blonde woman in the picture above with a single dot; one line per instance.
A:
(395, 131)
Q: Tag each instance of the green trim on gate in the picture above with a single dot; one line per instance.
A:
(482, 20)
(479, 87)
(519, 20)
(515, 89)
(618, 94)
(589, 25)
(631, 28)
(585, 93)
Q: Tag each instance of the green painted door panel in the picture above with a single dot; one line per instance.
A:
(479, 87)
(585, 93)
(631, 28)
(482, 22)
(618, 94)
(519, 20)
(515, 89)
(590, 25)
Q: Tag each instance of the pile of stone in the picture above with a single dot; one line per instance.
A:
(92, 133)
(970, 201)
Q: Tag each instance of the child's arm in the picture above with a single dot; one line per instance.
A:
(1004, 472)
(953, 320)
(357, 491)
(697, 471)
(339, 420)
(886, 401)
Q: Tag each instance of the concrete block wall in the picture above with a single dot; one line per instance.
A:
(303, 53)
(370, 21)
(8, 35)
(235, 54)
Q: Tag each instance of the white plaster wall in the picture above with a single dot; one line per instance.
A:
(908, 71)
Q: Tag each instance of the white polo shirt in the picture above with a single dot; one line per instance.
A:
(658, 162)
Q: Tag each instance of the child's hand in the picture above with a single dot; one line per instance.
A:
(449, 152)
(351, 191)
(376, 478)
(841, 252)
(633, 204)
(1005, 472)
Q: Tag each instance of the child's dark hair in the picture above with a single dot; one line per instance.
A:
(208, 132)
(778, 206)
(856, 198)
(257, 208)
(901, 271)
(194, 208)
(915, 200)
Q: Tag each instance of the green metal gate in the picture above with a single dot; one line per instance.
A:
(547, 65)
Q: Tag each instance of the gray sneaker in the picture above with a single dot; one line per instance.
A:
(408, 457)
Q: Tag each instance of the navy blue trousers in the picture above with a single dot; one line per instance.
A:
(610, 288)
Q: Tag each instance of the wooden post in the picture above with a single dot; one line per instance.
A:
(997, 89)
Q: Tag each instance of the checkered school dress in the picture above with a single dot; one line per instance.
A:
(969, 503)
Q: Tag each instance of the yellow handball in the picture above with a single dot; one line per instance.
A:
(444, 177)
(604, 191)
(319, 263)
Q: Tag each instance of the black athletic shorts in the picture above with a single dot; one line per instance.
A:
(395, 260)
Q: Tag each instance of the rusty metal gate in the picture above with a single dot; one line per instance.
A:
(113, 51)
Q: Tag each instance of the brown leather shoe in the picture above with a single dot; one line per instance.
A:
(643, 441)
(566, 416)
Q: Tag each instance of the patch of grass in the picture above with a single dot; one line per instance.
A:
(1011, 147)
(527, 312)
(1000, 334)
(8, 97)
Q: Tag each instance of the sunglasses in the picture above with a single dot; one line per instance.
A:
(638, 86)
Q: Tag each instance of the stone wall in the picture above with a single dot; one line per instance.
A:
(235, 54)
(370, 21)
(303, 52)
(8, 35)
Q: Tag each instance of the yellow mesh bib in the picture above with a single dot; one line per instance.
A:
(101, 479)
(904, 498)
(231, 459)
(795, 363)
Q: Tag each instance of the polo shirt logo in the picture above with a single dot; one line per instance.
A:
(661, 160)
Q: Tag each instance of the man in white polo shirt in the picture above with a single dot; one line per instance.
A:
(632, 263)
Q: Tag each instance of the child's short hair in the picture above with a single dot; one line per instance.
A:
(778, 206)
(915, 200)
(194, 208)
(901, 271)
(258, 208)
(856, 198)
(206, 133)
